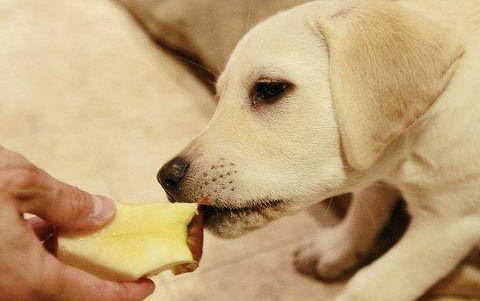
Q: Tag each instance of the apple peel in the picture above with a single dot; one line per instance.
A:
(195, 244)
(141, 241)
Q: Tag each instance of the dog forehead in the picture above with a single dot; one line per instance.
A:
(274, 37)
(287, 42)
(272, 47)
(288, 31)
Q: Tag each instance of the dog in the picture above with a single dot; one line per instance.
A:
(374, 98)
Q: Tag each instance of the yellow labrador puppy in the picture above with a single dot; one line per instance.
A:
(371, 97)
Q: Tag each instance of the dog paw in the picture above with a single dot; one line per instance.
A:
(329, 256)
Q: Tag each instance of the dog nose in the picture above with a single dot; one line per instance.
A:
(171, 174)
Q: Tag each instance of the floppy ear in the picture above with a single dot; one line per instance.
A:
(388, 65)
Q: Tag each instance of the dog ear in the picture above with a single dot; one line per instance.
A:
(388, 65)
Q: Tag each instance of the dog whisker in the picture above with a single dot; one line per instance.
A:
(250, 9)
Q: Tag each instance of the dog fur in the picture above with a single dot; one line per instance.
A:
(383, 101)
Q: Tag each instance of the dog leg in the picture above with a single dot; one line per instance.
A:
(339, 249)
(429, 250)
(464, 282)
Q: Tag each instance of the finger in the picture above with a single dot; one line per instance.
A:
(63, 282)
(41, 228)
(58, 203)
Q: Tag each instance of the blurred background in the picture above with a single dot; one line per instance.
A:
(101, 93)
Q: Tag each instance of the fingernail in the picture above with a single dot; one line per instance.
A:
(148, 284)
(103, 208)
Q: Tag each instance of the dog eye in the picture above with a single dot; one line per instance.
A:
(268, 91)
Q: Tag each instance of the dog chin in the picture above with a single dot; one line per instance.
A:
(234, 222)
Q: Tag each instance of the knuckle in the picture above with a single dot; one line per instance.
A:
(123, 294)
(118, 292)
(8, 158)
(15, 172)
(24, 177)
(19, 177)
(78, 203)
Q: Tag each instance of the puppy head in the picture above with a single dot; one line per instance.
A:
(307, 96)
(272, 145)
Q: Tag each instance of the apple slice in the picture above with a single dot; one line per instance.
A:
(141, 240)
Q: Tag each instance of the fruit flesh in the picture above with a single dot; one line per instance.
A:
(141, 240)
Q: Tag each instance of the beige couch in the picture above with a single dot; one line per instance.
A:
(85, 90)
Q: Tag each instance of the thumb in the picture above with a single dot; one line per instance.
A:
(63, 205)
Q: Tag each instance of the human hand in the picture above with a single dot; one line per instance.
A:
(27, 270)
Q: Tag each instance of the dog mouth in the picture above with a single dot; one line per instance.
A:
(231, 222)
(256, 207)
(225, 220)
